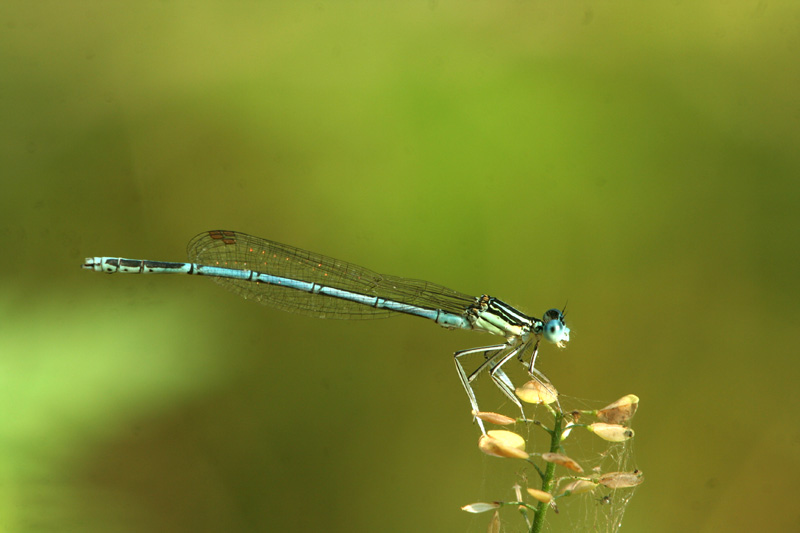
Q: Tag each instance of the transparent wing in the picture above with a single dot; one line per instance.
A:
(241, 251)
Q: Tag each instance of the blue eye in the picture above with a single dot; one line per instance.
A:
(555, 330)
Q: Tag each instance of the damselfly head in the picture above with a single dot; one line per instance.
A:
(555, 330)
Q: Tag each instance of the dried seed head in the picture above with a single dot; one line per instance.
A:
(494, 418)
(537, 392)
(563, 460)
(620, 411)
(502, 443)
(540, 495)
(611, 432)
(621, 480)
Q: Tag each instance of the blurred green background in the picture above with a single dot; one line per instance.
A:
(640, 162)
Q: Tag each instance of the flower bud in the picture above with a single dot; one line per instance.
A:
(494, 418)
(621, 480)
(480, 507)
(563, 460)
(579, 486)
(540, 495)
(494, 524)
(567, 429)
(537, 392)
(611, 432)
(502, 443)
(620, 411)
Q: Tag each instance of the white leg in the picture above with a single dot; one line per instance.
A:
(501, 379)
(535, 354)
(467, 380)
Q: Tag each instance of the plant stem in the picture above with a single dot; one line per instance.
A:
(549, 473)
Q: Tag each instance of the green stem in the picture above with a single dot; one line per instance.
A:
(549, 474)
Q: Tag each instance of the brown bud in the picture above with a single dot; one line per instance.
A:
(563, 460)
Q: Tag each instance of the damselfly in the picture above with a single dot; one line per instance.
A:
(298, 281)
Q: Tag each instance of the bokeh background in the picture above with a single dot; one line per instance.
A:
(638, 161)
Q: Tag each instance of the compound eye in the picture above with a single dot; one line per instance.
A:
(553, 314)
(555, 330)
